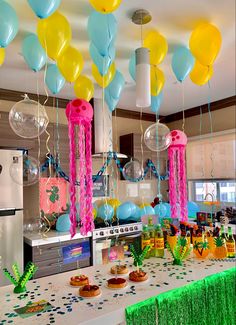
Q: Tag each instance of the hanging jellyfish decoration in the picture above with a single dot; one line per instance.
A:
(177, 175)
(80, 113)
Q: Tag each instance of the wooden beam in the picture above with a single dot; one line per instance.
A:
(16, 96)
(134, 115)
(219, 104)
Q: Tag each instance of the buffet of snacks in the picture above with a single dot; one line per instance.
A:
(106, 295)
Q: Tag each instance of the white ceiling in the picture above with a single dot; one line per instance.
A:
(175, 19)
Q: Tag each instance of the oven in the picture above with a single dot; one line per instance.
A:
(109, 238)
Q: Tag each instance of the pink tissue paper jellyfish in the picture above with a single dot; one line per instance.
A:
(177, 175)
(80, 113)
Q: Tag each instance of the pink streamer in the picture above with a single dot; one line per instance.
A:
(80, 112)
(177, 177)
(72, 179)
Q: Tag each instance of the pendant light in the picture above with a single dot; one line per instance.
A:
(143, 83)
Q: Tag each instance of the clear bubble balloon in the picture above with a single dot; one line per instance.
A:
(30, 171)
(28, 118)
(157, 137)
(132, 170)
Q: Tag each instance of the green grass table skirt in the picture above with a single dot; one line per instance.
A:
(210, 301)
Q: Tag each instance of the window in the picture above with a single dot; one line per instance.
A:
(223, 191)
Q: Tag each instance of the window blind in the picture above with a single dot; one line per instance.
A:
(212, 156)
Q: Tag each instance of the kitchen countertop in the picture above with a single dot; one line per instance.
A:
(53, 236)
(109, 308)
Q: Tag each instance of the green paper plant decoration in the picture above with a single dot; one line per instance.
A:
(138, 255)
(20, 281)
(180, 252)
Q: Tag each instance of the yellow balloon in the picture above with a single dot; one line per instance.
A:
(201, 74)
(54, 34)
(2, 55)
(205, 43)
(104, 81)
(143, 205)
(157, 45)
(157, 80)
(95, 213)
(105, 6)
(70, 63)
(114, 203)
(84, 88)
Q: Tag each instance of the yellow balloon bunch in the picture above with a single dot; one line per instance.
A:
(157, 80)
(84, 88)
(2, 55)
(70, 63)
(105, 6)
(158, 46)
(205, 43)
(114, 203)
(104, 81)
(54, 34)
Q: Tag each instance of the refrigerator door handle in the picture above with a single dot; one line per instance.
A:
(7, 212)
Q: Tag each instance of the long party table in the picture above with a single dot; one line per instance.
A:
(168, 285)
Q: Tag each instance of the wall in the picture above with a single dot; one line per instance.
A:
(222, 119)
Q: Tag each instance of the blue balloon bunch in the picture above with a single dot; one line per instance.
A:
(182, 63)
(44, 8)
(9, 24)
(33, 52)
(113, 91)
(102, 30)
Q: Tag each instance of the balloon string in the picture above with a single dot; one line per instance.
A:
(200, 132)
(212, 145)
(117, 171)
(158, 167)
(38, 139)
(103, 154)
(183, 103)
(141, 145)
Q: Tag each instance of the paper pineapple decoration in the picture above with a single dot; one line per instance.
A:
(19, 280)
(220, 249)
(180, 251)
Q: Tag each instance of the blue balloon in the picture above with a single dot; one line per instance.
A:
(161, 210)
(168, 212)
(106, 211)
(102, 62)
(193, 208)
(33, 52)
(44, 8)
(182, 62)
(54, 79)
(9, 24)
(137, 214)
(63, 223)
(147, 210)
(113, 91)
(102, 30)
(132, 66)
(125, 210)
(156, 103)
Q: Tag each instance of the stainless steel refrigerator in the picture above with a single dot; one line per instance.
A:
(11, 210)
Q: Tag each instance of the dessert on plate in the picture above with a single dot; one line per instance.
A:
(116, 283)
(119, 269)
(138, 276)
(89, 291)
(79, 280)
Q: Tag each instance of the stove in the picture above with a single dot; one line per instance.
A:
(126, 229)
(107, 237)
